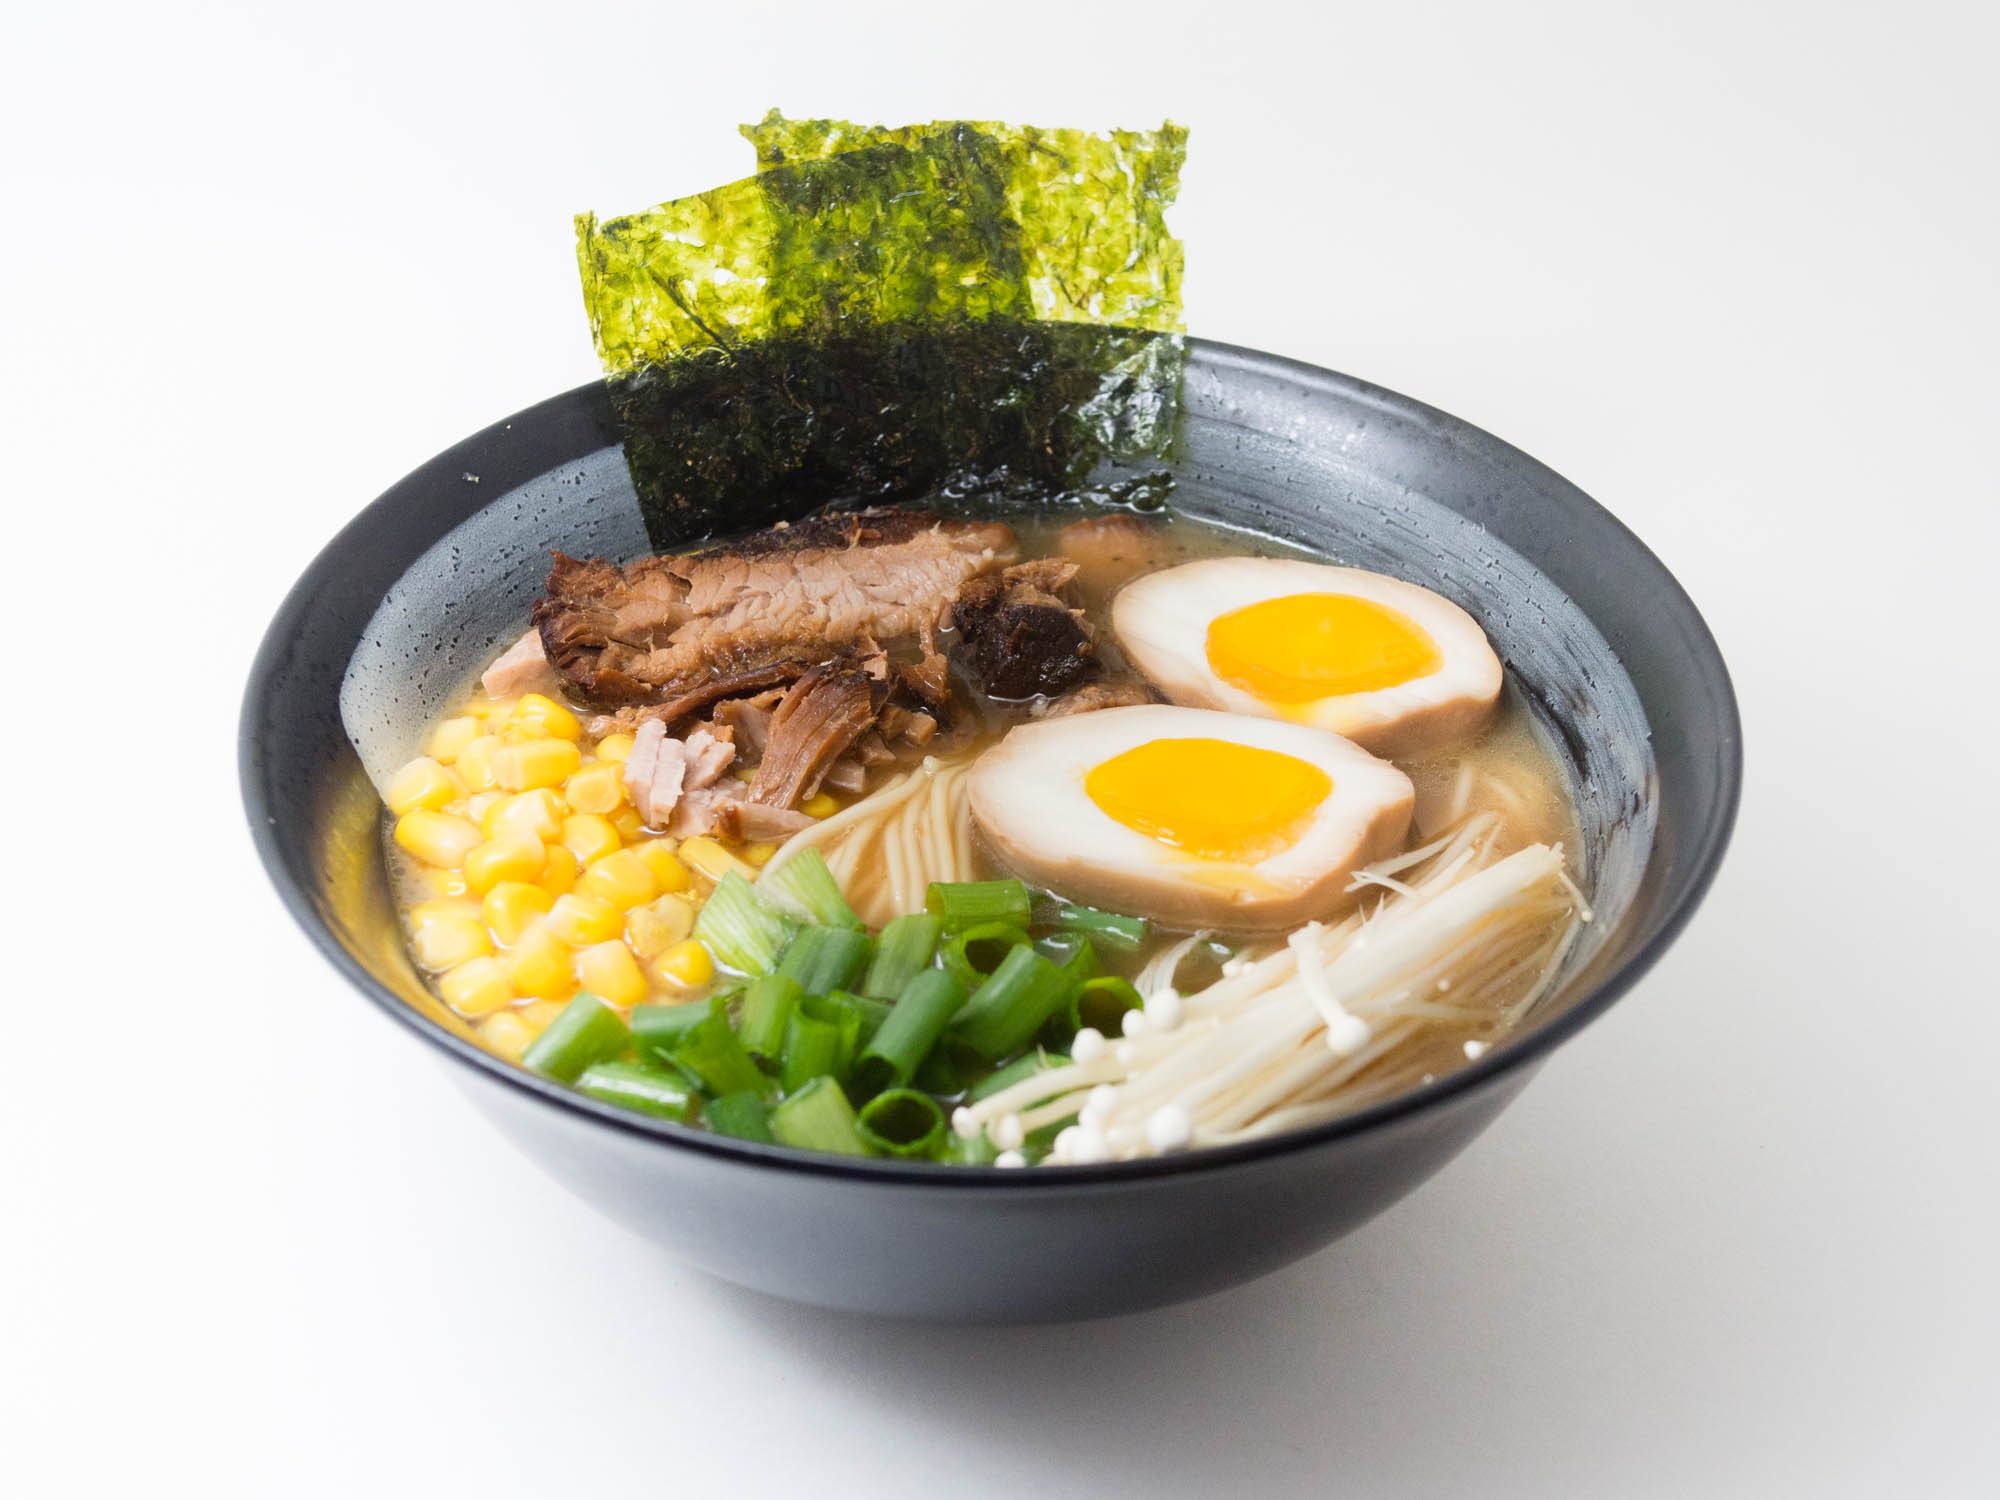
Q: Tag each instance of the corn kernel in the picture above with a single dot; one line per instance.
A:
(477, 987)
(440, 884)
(820, 805)
(479, 804)
(520, 768)
(537, 1014)
(669, 874)
(538, 812)
(622, 879)
(513, 856)
(475, 763)
(614, 747)
(431, 911)
(589, 837)
(583, 920)
(559, 869)
(598, 788)
(686, 963)
(709, 858)
(654, 928)
(422, 783)
(436, 838)
(759, 854)
(448, 942)
(610, 972)
(745, 773)
(540, 964)
(628, 822)
(510, 906)
(505, 1034)
(548, 717)
(449, 739)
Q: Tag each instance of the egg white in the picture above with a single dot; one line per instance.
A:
(1162, 622)
(1028, 801)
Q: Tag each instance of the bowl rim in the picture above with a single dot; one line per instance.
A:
(1706, 844)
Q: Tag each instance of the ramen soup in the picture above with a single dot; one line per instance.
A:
(970, 840)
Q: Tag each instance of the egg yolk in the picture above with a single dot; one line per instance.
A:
(1304, 647)
(1214, 799)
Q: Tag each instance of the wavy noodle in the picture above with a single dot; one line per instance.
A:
(887, 848)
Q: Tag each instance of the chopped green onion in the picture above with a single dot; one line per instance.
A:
(767, 1006)
(1012, 1005)
(804, 887)
(639, 1086)
(962, 903)
(903, 951)
(587, 1031)
(915, 1022)
(711, 1055)
(975, 1152)
(1025, 1066)
(949, 1068)
(902, 1123)
(658, 1028)
(871, 1013)
(818, 1118)
(971, 955)
(1102, 1003)
(1072, 952)
(742, 932)
(744, 1116)
(824, 959)
(1119, 934)
(820, 1042)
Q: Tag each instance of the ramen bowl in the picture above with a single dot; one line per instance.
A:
(1612, 657)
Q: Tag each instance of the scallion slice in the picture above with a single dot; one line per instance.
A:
(586, 1031)
(962, 903)
(914, 1024)
(818, 1118)
(824, 959)
(639, 1086)
(975, 952)
(1117, 933)
(1102, 1003)
(902, 1123)
(714, 1058)
(658, 1029)
(744, 1116)
(821, 1038)
(804, 887)
(741, 931)
(903, 951)
(1010, 1007)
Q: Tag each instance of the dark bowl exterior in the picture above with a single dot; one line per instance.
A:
(966, 1244)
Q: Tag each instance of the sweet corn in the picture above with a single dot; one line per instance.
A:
(540, 964)
(538, 812)
(433, 910)
(609, 971)
(449, 739)
(505, 1034)
(479, 804)
(521, 768)
(598, 788)
(622, 879)
(583, 920)
(477, 987)
(668, 872)
(759, 854)
(436, 838)
(512, 856)
(441, 884)
(475, 763)
(686, 963)
(447, 942)
(422, 783)
(614, 747)
(628, 822)
(559, 869)
(537, 1014)
(709, 858)
(820, 805)
(510, 906)
(589, 837)
(654, 928)
(547, 716)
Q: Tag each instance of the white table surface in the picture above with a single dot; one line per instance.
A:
(1732, 269)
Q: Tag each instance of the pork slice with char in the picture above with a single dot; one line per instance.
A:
(654, 628)
(824, 713)
(1025, 637)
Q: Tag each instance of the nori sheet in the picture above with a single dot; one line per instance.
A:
(879, 314)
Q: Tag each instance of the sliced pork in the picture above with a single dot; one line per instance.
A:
(823, 714)
(522, 668)
(664, 627)
(1025, 637)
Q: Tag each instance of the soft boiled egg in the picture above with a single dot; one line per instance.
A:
(1195, 818)
(1393, 667)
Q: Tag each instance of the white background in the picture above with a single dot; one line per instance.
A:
(1731, 268)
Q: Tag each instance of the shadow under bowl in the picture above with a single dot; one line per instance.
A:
(1608, 651)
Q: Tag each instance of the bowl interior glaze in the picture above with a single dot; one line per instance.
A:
(411, 597)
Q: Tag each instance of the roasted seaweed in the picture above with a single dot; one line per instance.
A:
(882, 313)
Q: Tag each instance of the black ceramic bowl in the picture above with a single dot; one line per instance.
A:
(399, 608)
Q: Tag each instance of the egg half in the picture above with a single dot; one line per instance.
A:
(1393, 667)
(1194, 818)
